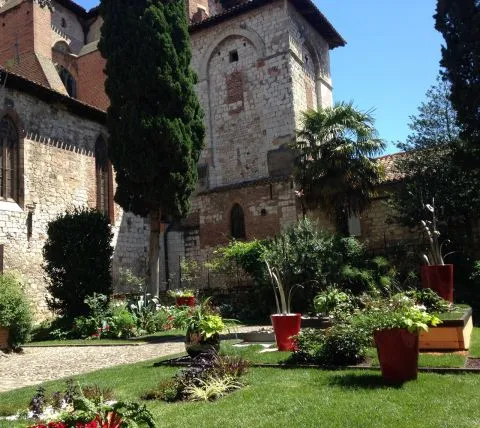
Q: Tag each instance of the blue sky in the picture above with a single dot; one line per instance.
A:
(391, 58)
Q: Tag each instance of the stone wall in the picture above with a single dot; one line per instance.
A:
(57, 173)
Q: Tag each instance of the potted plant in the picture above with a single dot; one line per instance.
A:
(183, 297)
(436, 274)
(396, 323)
(203, 325)
(286, 324)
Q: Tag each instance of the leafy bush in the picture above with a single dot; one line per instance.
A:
(398, 311)
(332, 301)
(339, 345)
(430, 299)
(77, 257)
(15, 312)
(309, 257)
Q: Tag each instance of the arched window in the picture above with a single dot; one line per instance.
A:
(68, 81)
(237, 220)
(9, 159)
(103, 179)
(62, 47)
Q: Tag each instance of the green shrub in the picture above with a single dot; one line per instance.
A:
(77, 257)
(15, 312)
(340, 345)
(122, 322)
(313, 258)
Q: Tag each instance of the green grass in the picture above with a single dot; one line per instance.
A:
(475, 343)
(457, 313)
(252, 353)
(296, 398)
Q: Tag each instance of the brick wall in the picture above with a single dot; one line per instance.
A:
(42, 27)
(16, 34)
(91, 80)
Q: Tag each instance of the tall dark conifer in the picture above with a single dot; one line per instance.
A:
(459, 23)
(155, 120)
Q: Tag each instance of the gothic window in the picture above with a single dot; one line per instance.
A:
(237, 222)
(9, 159)
(68, 81)
(103, 172)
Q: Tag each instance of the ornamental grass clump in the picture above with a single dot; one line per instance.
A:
(208, 377)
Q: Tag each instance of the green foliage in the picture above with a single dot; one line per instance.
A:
(144, 310)
(340, 345)
(334, 167)
(430, 299)
(430, 169)
(398, 311)
(127, 280)
(331, 301)
(245, 254)
(210, 376)
(15, 312)
(202, 318)
(125, 413)
(77, 255)
(154, 118)
(458, 22)
(311, 258)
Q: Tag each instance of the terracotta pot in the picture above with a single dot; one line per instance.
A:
(185, 301)
(196, 344)
(4, 334)
(285, 326)
(397, 350)
(440, 279)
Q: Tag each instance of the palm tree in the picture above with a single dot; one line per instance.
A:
(334, 167)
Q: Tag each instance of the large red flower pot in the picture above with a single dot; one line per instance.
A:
(186, 301)
(285, 326)
(397, 350)
(440, 279)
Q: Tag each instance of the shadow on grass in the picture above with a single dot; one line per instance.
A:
(361, 381)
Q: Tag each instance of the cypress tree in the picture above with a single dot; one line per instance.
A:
(155, 120)
(459, 23)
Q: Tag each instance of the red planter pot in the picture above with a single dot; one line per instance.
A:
(285, 326)
(397, 350)
(440, 279)
(186, 301)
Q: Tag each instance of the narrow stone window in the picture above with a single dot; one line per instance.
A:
(237, 222)
(233, 56)
(63, 23)
(68, 81)
(9, 160)
(104, 181)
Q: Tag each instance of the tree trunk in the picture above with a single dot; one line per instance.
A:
(154, 253)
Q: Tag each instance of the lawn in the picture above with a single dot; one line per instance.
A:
(296, 397)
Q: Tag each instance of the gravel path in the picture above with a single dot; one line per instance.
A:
(37, 365)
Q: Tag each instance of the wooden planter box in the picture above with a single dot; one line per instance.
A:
(451, 335)
(3, 338)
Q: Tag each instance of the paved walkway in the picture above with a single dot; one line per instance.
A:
(37, 365)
